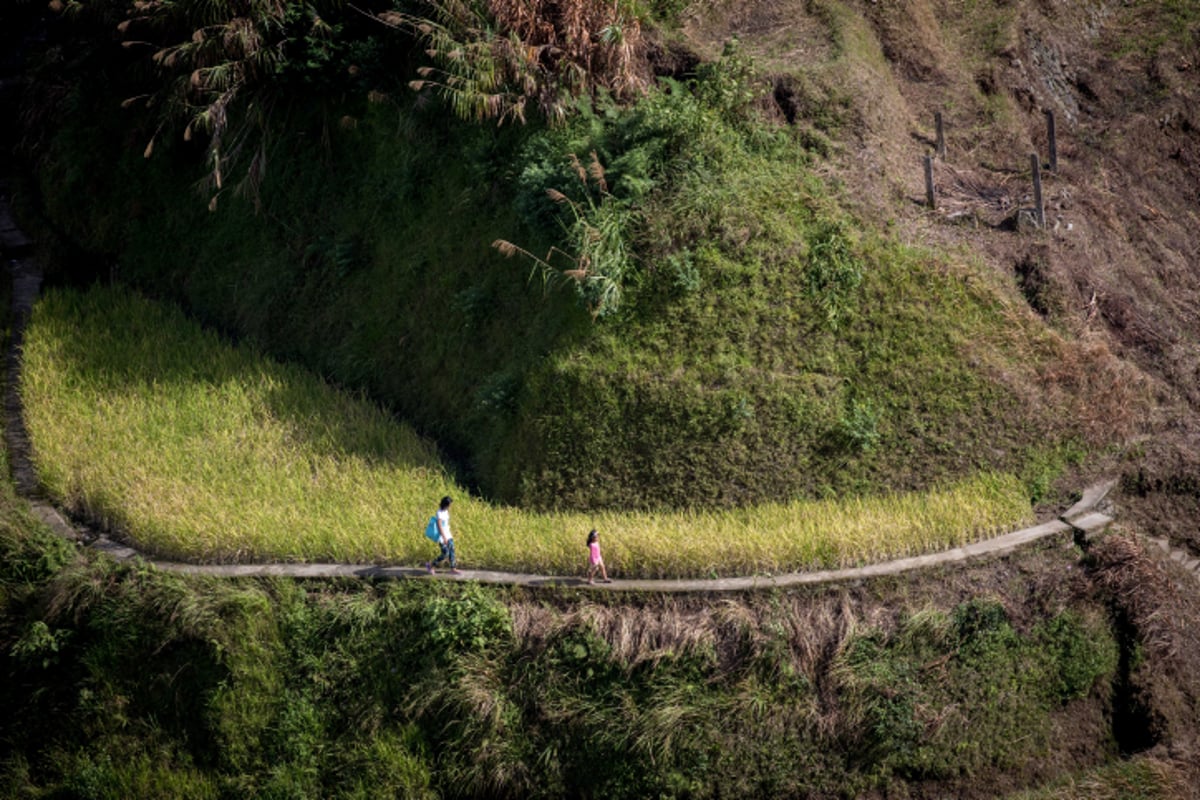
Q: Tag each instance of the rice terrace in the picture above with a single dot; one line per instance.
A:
(864, 337)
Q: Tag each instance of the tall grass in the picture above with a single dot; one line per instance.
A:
(198, 449)
(769, 344)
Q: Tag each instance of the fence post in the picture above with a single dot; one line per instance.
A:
(1035, 164)
(929, 198)
(941, 135)
(1050, 134)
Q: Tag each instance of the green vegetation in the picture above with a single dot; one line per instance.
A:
(1149, 27)
(147, 423)
(754, 343)
(699, 345)
(693, 318)
(122, 681)
(895, 686)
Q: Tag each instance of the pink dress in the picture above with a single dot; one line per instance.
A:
(594, 556)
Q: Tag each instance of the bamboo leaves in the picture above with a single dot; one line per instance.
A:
(221, 65)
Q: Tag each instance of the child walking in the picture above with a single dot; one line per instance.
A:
(595, 560)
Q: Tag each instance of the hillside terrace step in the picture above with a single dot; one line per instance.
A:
(13, 240)
(118, 551)
(1090, 499)
(26, 281)
(54, 520)
(1089, 524)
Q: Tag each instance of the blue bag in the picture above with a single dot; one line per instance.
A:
(431, 531)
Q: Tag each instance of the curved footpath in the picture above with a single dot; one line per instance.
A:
(1082, 521)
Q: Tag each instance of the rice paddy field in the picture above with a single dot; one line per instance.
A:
(193, 448)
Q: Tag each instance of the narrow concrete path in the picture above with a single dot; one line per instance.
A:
(1081, 521)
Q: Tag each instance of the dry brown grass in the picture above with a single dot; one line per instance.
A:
(1150, 776)
(1161, 604)
(1109, 399)
(777, 33)
(528, 53)
(646, 632)
(598, 38)
(1143, 589)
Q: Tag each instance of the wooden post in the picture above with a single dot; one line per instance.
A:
(941, 135)
(1050, 134)
(929, 198)
(1035, 164)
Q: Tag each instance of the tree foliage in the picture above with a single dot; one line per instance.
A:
(496, 58)
(219, 69)
(225, 72)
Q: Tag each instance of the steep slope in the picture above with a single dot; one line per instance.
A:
(134, 682)
(793, 320)
(1116, 271)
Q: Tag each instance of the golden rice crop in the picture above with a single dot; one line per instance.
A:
(200, 450)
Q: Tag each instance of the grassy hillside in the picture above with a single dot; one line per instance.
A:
(792, 323)
(124, 681)
(1028, 677)
(768, 343)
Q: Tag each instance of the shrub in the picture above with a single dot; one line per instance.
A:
(464, 621)
(1079, 653)
(39, 644)
(954, 693)
(858, 427)
(30, 559)
(834, 272)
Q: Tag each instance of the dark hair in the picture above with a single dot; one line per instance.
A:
(445, 502)
(592, 535)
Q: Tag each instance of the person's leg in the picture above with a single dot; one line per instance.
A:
(443, 556)
(453, 560)
(603, 571)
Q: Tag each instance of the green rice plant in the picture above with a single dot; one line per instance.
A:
(195, 449)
